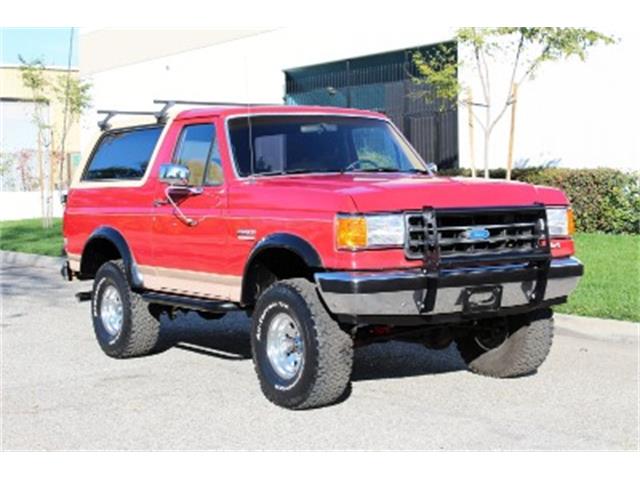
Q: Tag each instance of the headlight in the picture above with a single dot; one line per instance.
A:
(560, 221)
(354, 232)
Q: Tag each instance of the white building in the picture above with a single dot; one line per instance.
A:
(579, 114)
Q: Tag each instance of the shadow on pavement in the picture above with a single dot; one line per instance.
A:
(14, 277)
(228, 339)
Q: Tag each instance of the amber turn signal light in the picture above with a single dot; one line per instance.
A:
(351, 232)
(571, 222)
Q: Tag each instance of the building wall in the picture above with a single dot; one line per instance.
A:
(11, 86)
(577, 113)
(112, 48)
(249, 69)
(18, 134)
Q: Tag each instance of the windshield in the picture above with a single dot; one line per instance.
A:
(279, 144)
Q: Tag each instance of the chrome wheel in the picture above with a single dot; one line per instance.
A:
(111, 310)
(285, 348)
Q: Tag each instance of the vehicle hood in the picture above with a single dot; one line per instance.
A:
(392, 192)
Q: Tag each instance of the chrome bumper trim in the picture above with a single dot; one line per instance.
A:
(402, 292)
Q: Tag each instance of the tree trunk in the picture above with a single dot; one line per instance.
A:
(472, 146)
(68, 164)
(514, 99)
(41, 178)
(63, 153)
(487, 136)
(53, 161)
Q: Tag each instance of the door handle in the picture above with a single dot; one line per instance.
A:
(168, 199)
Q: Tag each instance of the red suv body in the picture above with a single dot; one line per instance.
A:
(217, 208)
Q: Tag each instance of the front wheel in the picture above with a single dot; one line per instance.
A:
(515, 347)
(301, 356)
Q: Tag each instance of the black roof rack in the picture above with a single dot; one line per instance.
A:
(104, 123)
(161, 115)
(210, 103)
(170, 103)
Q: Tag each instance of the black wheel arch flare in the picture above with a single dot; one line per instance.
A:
(113, 236)
(281, 241)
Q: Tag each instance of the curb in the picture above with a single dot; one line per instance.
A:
(29, 259)
(603, 328)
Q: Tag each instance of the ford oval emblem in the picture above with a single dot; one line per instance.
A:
(478, 233)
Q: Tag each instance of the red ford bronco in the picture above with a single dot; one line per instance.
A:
(327, 228)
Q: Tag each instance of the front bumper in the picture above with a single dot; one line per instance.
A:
(418, 293)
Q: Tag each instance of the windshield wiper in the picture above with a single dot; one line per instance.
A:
(295, 171)
(337, 170)
(419, 170)
(378, 169)
(394, 170)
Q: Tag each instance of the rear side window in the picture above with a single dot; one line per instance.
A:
(123, 155)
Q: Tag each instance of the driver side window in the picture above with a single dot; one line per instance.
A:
(198, 150)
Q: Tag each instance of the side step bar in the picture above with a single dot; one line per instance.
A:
(189, 303)
(84, 296)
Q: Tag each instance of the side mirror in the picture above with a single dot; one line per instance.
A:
(433, 167)
(175, 175)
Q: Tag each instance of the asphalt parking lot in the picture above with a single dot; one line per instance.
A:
(60, 392)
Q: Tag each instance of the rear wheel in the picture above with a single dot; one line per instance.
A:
(301, 356)
(516, 347)
(122, 321)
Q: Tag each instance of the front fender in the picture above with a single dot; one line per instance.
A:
(291, 242)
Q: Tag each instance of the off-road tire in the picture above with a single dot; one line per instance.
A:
(522, 352)
(140, 328)
(325, 371)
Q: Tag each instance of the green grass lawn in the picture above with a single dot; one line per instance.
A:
(610, 287)
(29, 236)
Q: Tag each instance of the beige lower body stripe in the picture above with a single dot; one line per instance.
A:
(189, 282)
(74, 262)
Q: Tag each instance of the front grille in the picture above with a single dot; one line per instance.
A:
(448, 234)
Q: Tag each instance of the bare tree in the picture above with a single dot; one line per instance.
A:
(33, 78)
(522, 49)
(71, 92)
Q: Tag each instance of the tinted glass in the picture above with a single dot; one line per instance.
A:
(123, 155)
(193, 149)
(374, 147)
(281, 144)
(214, 168)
